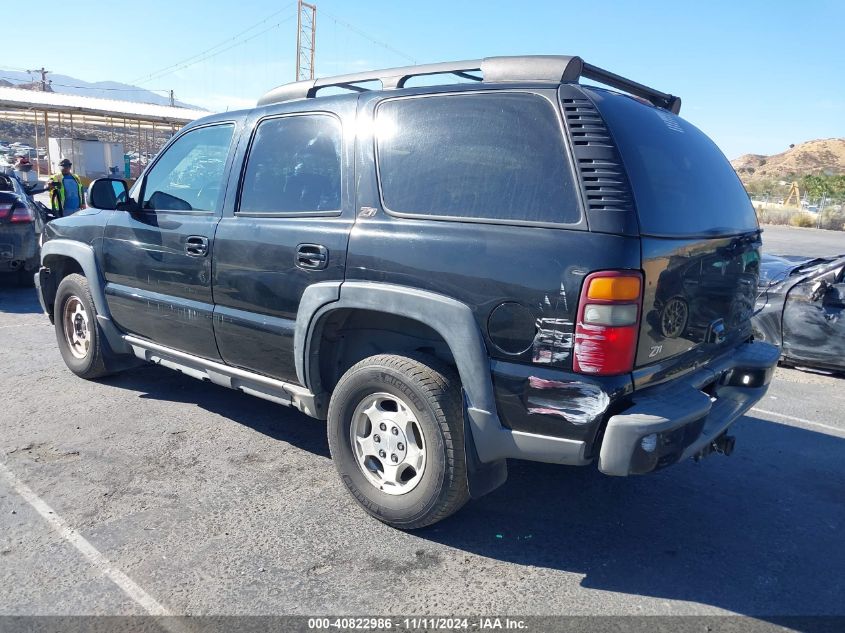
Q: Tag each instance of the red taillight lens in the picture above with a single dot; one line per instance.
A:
(608, 323)
(21, 214)
(5, 208)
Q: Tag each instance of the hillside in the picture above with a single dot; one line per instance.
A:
(818, 157)
(101, 89)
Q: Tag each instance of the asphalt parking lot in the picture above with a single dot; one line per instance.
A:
(200, 500)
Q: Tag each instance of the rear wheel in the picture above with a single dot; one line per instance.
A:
(396, 436)
(80, 339)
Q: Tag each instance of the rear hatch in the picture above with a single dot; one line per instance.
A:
(699, 234)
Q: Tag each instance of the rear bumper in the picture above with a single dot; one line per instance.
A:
(671, 422)
(18, 249)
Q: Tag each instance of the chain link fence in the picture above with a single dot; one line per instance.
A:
(819, 213)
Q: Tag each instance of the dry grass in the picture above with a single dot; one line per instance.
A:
(804, 220)
(833, 220)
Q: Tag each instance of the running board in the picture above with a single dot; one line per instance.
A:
(248, 382)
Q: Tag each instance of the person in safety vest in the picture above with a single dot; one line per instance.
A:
(66, 192)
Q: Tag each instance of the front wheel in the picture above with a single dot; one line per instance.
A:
(80, 339)
(395, 429)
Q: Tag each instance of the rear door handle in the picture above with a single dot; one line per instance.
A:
(312, 256)
(196, 246)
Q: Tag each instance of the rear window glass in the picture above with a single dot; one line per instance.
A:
(497, 157)
(682, 183)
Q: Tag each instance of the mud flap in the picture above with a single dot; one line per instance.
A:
(481, 478)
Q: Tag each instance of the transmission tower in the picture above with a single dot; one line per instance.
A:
(305, 40)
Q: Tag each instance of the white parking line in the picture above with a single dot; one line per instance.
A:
(100, 562)
(801, 420)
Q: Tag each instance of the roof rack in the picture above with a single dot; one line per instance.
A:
(556, 68)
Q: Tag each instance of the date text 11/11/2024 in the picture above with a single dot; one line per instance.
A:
(421, 623)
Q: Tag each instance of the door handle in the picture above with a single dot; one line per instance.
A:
(196, 246)
(312, 256)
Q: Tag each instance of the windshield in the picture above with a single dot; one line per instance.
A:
(682, 183)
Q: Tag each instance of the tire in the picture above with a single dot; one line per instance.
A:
(86, 354)
(422, 399)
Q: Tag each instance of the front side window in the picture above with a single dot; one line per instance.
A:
(497, 156)
(293, 166)
(189, 175)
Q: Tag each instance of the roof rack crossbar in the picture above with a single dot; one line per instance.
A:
(655, 97)
(552, 68)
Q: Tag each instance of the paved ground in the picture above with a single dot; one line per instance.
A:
(788, 240)
(209, 501)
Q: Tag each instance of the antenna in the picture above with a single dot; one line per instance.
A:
(306, 31)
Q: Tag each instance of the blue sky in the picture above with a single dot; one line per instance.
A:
(756, 76)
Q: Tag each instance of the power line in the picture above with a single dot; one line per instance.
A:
(241, 43)
(178, 65)
(355, 29)
(135, 89)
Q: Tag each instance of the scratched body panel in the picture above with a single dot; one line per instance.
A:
(553, 402)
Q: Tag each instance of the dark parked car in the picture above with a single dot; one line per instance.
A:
(21, 223)
(452, 275)
(801, 308)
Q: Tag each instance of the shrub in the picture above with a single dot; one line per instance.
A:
(772, 216)
(833, 219)
(804, 220)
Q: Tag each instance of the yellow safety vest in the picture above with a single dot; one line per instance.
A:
(57, 195)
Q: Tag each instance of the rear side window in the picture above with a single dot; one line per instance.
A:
(293, 166)
(498, 156)
(682, 183)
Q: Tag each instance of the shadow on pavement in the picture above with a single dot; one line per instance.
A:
(759, 533)
(17, 300)
(275, 421)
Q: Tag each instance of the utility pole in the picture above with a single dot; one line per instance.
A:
(44, 82)
(172, 100)
(306, 31)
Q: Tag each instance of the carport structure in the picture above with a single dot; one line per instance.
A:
(120, 121)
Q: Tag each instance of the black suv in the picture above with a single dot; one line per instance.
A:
(452, 275)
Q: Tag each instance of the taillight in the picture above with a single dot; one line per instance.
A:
(608, 323)
(21, 214)
(5, 207)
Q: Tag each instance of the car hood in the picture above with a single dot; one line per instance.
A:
(776, 268)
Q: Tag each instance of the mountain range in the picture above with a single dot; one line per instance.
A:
(101, 89)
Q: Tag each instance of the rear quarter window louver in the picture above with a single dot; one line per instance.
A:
(607, 193)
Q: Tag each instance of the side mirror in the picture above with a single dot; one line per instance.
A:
(108, 193)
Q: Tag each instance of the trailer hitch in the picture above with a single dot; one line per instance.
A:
(723, 445)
